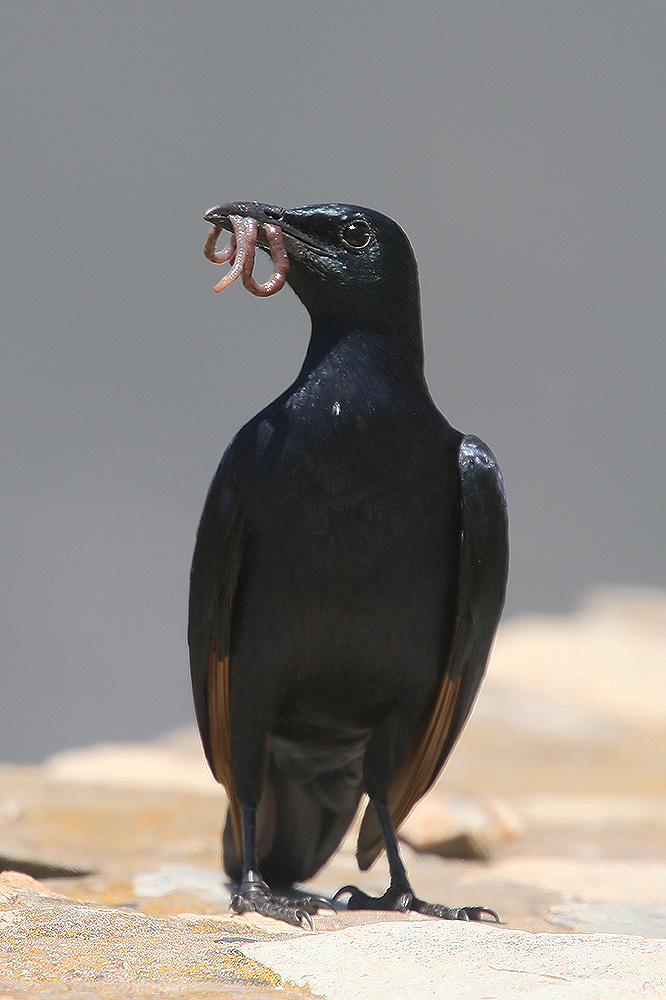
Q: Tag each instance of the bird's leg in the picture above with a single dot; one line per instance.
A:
(252, 880)
(253, 895)
(400, 896)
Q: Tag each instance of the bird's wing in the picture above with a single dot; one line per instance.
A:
(483, 568)
(215, 568)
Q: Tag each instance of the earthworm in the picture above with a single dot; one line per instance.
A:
(221, 256)
(234, 251)
(240, 250)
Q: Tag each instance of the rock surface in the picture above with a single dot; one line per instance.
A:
(559, 783)
(442, 960)
(53, 946)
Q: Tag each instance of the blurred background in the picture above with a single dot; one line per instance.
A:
(520, 144)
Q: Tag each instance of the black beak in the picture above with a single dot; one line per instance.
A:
(246, 209)
(295, 239)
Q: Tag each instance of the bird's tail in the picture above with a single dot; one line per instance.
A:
(298, 827)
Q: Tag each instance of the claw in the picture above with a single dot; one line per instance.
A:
(323, 901)
(346, 888)
(256, 897)
(399, 899)
(396, 899)
(472, 913)
(477, 913)
(313, 902)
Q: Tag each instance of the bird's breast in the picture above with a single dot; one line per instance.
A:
(350, 551)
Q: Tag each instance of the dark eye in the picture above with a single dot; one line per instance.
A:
(356, 234)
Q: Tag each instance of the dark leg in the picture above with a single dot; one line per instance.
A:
(400, 896)
(253, 895)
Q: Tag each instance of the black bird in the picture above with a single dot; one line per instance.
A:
(348, 578)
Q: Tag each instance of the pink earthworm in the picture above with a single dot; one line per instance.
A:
(219, 256)
(240, 250)
(278, 256)
(242, 239)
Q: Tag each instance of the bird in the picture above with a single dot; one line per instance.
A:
(348, 577)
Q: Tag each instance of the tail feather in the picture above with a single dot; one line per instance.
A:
(297, 832)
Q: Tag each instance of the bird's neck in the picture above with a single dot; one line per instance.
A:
(364, 352)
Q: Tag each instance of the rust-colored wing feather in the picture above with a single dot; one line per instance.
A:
(215, 568)
(480, 597)
(220, 744)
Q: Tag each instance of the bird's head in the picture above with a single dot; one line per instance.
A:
(345, 262)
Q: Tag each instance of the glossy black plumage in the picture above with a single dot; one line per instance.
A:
(348, 575)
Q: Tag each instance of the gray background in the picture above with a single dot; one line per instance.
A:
(521, 145)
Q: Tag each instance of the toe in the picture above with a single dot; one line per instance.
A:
(264, 903)
(475, 913)
(304, 917)
(345, 889)
(479, 913)
(395, 899)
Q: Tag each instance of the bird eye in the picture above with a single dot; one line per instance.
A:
(356, 234)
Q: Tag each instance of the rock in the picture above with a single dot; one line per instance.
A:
(202, 883)
(617, 917)
(129, 837)
(52, 947)
(586, 880)
(38, 868)
(566, 811)
(460, 827)
(438, 960)
(176, 762)
(539, 714)
(605, 661)
(11, 882)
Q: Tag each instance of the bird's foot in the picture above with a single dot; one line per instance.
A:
(482, 914)
(311, 902)
(256, 897)
(397, 899)
(401, 899)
